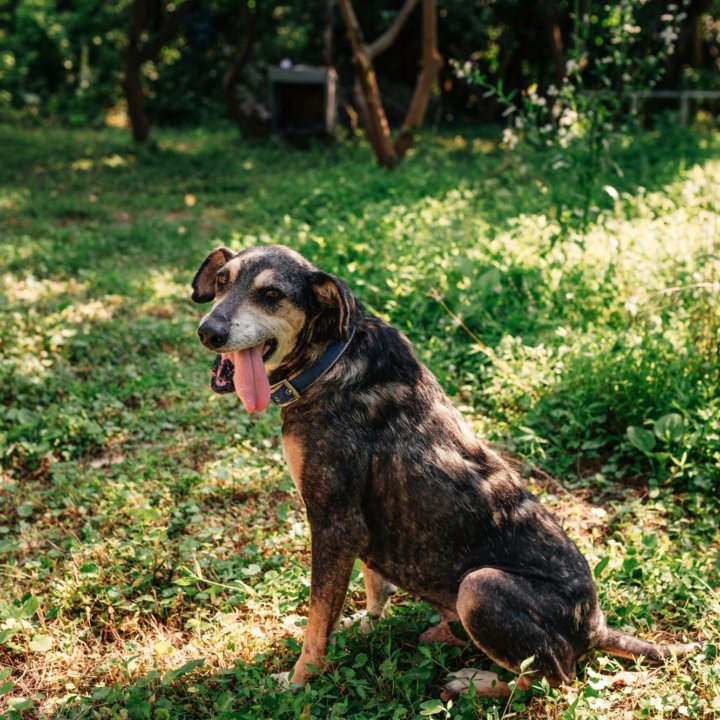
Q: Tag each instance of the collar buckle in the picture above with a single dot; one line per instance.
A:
(284, 393)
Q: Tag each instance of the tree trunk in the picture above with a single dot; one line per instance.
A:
(377, 124)
(137, 55)
(380, 45)
(132, 82)
(552, 25)
(328, 33)
(236, 112)
(431, 64)
(132, 86)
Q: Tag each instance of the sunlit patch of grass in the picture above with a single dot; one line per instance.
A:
(29, 289)
(13, 200)
(153, 550)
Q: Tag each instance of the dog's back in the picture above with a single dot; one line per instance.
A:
(436, 501)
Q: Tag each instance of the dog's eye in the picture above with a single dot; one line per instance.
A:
(271, 294)
(221, 281)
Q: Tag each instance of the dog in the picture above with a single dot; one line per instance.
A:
(389, 472)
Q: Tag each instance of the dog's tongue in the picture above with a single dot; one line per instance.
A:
(250, 379)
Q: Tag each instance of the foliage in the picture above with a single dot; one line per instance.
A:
(61, 60)
(148, 525)
(67, 61)
(64, 61)
(610, 61)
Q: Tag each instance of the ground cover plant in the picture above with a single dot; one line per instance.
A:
(154, 555)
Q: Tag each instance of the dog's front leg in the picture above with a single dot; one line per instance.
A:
(334, 549)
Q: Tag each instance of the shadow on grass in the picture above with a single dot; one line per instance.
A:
(383, 674)
(105, 203)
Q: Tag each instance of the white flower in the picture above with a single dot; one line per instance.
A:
(568, 117)
(669, 35)
(571, 66)
(509, 138)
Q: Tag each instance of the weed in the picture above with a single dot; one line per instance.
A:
(154, 553)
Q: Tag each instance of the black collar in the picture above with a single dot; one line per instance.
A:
(288, 391)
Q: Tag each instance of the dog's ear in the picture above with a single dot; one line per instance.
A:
(203, 283)
(332, 293)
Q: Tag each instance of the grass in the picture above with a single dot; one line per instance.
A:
(153, 553)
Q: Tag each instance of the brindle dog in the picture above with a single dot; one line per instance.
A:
(389, 472)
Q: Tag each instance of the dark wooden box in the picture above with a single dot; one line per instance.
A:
(303, 100)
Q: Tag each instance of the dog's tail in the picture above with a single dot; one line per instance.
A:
(627, 646)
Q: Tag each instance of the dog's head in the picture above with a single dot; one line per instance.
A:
(273, 312)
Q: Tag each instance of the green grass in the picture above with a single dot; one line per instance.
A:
(153, 554)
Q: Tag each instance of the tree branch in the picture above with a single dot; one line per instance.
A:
(168, 30)
(431, 64)
(230, 79)
(385, 40)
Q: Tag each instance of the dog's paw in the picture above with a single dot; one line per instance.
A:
(367, 622)
(486, 684)
(283, 682)
(282, 679)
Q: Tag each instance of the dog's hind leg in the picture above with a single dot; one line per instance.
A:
(442, 632)
(512, 618)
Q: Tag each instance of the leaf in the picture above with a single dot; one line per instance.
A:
(224, 702)
(642, 439)
(6, 687)
(431, 707)
(20, 703)
(426, 651)
(183, 581)
(25, 510)
(669, 427)
(612, 192)
(163, 647)
(488, 282)
(30, 607)
(41, 643)
(100, 692)
(601, 565)
(138, 709)
(172, 675)
(526, 663)
(6, 634)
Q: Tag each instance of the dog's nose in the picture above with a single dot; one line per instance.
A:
(212, 334)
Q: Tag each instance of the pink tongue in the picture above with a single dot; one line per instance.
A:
(250, 378)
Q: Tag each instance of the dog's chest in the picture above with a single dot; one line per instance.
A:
(294, 457)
